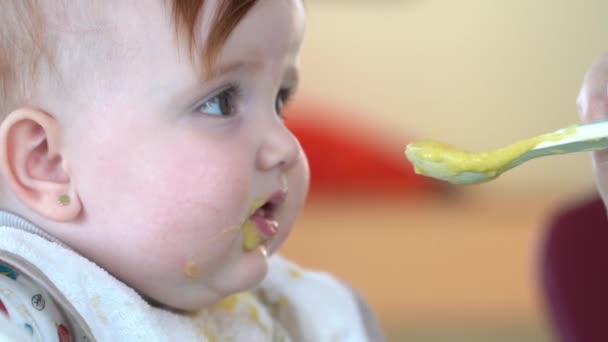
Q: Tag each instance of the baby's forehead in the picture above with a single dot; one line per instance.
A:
(120, 28)
(91, 43)
(109, 18)
(110, 30)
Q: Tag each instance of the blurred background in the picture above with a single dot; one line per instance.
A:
(438, 262)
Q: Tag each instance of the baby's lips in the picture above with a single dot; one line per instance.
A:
(278, 197)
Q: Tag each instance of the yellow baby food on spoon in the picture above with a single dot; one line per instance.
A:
(450, 164)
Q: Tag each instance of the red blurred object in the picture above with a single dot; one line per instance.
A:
(574, 272)
(345, 159)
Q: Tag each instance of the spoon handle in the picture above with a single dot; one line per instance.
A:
(581, 138)
(586, 137)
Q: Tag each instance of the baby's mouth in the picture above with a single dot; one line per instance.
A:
(264, 221)
(261, 226)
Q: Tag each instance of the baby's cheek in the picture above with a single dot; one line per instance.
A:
(196, 214)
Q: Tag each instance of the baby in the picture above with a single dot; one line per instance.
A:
(147, 175)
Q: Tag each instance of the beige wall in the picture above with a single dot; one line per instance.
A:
(475, 73)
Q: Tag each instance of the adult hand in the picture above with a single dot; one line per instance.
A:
(592, 105)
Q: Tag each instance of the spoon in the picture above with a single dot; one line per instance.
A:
(438, 160)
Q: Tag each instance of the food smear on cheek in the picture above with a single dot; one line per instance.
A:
(191, 270)
(251, 238)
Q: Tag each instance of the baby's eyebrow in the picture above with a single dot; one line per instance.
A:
(292, 75)
(244, 64)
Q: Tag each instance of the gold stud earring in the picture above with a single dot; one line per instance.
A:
(64, 200)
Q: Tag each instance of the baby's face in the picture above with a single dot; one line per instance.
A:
(169, 167)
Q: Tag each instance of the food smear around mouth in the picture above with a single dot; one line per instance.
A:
(191, 270)
(251, 239)
(448, 158)
(257, 204)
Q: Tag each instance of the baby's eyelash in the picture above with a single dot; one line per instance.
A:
(283, 97)
(286, 94)
(233, 90)
(222, 103)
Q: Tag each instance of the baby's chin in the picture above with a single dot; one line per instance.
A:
(195, 293)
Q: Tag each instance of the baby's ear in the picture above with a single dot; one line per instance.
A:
(33, 164)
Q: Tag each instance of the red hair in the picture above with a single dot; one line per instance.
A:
(24, 49)
(186, 14)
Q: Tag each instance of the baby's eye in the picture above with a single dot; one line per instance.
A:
(222, 104)
(283, 97)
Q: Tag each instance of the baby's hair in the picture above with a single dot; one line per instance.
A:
(25, 49)
(186, 14)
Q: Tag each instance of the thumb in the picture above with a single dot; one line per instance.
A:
(592, 100)
(592, 104)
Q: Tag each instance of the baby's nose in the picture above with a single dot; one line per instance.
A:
(279, 148)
